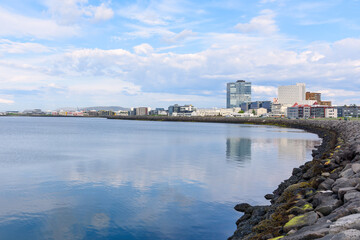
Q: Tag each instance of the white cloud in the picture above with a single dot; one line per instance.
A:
(186, 33)
(21, 26)
(148, 16)
(155, 12)
(116, 76)
(263, 24)
(69, 12)
(264, 90)
(338, 93)
(7, 46)
(143, 49)
(102, 13)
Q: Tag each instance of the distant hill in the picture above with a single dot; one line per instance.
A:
(97, 108)
(107, 108)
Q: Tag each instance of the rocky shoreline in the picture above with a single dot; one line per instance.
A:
(321, 200)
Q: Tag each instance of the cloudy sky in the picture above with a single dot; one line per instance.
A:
(77, 53)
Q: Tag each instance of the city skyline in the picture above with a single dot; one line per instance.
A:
(79, 53)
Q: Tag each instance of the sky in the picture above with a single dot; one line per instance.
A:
(78, 53)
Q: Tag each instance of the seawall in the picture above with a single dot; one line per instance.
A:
(320, 200)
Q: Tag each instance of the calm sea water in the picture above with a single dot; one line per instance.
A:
(78, 178)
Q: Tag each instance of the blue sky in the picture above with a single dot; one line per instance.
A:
(77, 53)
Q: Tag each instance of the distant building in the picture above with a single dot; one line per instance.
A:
(122, 113)
(92, 113)
(348, 111)
(311, 111)
(256, 105)
(326, 103)
(313, 96)
(291, 94)
(177, 110)
(159, 111)
(237, 93)
(260, 112)
(142, 111)
(33, 112)
(317, 97)
(105, 113)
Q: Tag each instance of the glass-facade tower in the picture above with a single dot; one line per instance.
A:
(237, 93)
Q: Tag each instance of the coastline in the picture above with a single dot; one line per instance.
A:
(320, 200)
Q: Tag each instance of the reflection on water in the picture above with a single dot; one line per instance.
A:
(67, 178)
(238, 149)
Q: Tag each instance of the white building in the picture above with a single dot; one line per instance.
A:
(331, 113)
(216, 112)
(122, 113)
(291, 94)
(260, 111)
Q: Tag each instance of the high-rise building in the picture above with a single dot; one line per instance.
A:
(237, 93)
(291, 94)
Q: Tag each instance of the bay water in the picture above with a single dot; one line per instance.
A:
(91, 178)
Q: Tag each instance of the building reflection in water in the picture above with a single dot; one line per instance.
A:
(298, 149)
(238, 149)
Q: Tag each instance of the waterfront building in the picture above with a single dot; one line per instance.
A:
(260, 112)
(256, 105)
(92, 113)
(159, 111)
(142, 111)
(279, 110)
(216, 112)
(291, 94)
(330, 113)
(237, 93)
(33, 112)
(348, 111)
(311, 111)
(122, 113)
(106, 113)
(245, 106)
(177, 110)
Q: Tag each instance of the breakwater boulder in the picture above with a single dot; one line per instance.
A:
(320, 200)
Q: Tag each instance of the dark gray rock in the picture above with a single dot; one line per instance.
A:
(269, 196)
(343, 191)
(343, 183)
(345, 223)
(244, 207)
(326, 185)
(356, 167)
(296, 171)
(351, 195)
(310, 232)
(297, 222)
(328, 204)
(347, 173)
(350, 234)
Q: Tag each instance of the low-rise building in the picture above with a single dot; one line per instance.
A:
(348, 111)
(122, 113)
(142, 111)
(311, 111)
(159, 112)
(183, 110)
